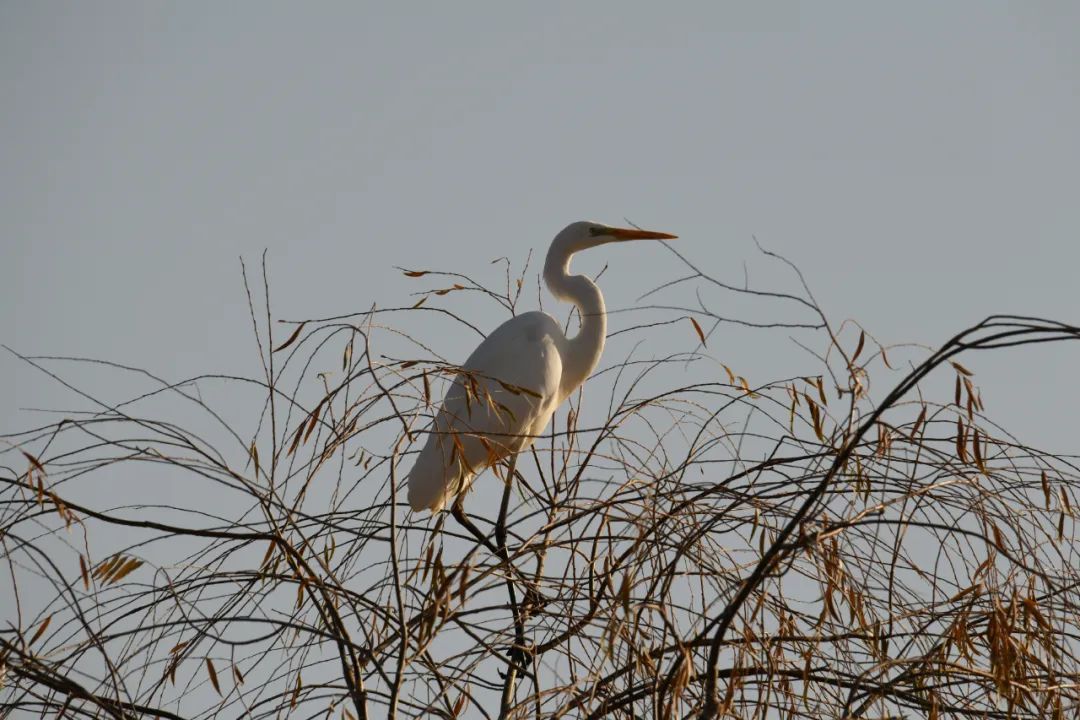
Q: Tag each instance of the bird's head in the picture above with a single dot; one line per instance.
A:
(586, 234)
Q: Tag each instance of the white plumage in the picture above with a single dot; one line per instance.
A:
(511, 385)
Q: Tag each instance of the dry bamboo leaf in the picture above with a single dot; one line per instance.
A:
(101, 572)
(255, 456)
(416, 273)
(459, 705)
(976, 588)
(918, 423)
(730, 375)
(859, 347)
(33, 461)
(296, 439)
(346, 356)
(519, 390)
(1046, 489)
(624, 593)
(266, 557)
(961, 451)
(41, 630)
(292, 338)
(975, 445)
(237, 675)
(213, 675)
(697, 329)
(463, 584)
(999, 539)
(296, 691)
(313, 421)
(961, 369)
(123, 571)
(427, 562)
(885, 359)
(427, 389)
(84, 572)
(419, 302)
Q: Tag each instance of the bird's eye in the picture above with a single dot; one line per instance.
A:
(594, 231)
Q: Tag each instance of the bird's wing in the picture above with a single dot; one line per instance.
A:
(504, 397)
(512, 378)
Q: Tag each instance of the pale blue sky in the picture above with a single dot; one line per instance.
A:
(919, 161)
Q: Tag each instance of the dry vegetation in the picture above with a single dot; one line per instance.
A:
(683, 543)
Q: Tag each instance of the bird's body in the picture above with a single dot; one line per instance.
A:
(512, 383)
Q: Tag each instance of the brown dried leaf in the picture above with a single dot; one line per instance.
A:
(296, 692)
(976, 588)
(84, 572)
(292, 338)
(961, 451)
(101, 572)
(213, 675)
(416, 273)
(266, 557)
(918, 423)
(346, 356)
(41, 630)
(518, 390)
(313, 421)
(859, 347)
(237, 675)
(255, 456)
(961, 369)
(126, 569)
(976, 441)
(697, 329)
(33, 461)
(419, 302)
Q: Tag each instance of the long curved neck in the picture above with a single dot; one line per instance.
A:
(584, 349)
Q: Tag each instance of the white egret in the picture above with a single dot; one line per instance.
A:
(515, 379)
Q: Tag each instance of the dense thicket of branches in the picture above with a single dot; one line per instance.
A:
(683, 543)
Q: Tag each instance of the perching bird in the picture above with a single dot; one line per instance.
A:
(510, 386)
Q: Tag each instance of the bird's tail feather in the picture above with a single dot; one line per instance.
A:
(434, 479)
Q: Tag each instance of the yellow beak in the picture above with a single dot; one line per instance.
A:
(635, 234)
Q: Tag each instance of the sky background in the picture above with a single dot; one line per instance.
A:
(919, 161)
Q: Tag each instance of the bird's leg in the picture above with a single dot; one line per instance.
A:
(518, 654)
(458, 511)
